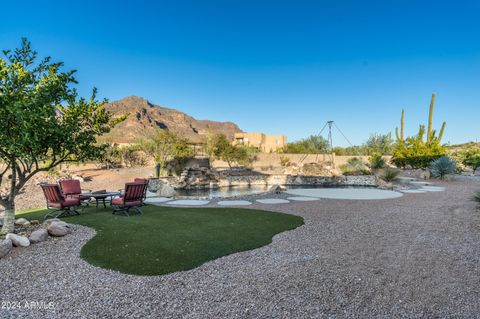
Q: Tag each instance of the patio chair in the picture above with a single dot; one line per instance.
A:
(131, 199)
(142, 181)
(59, 204)
(71, 189)
(138, 181)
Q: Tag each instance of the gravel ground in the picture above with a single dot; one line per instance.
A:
(415, 256)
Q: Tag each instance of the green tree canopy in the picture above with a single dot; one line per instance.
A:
(165, 145)
(42, 121)
(314, 144)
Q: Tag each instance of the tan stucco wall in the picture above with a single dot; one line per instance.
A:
(265, 143)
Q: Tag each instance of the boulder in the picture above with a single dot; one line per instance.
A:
(18, 240)
(276, 189)
(5, 247)
(47, 222)
(38, 236)
(21, 221)
(59, 229)
(166, 190)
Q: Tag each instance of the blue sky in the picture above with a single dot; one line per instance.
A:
(281, 67)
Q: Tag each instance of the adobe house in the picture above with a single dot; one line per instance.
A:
(264, 143)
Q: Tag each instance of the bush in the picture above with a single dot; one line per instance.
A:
(443, 167)
(354, 166)
(376, 161)
(389, 174)
(476, 197)
(415, 153)
(284, 160)
(471, 158)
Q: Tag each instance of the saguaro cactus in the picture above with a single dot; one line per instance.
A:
(430, 133)
(401, 136)
(431, 138)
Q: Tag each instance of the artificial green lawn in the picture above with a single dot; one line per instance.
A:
(169, 239)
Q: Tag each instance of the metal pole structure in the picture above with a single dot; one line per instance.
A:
(330, 142)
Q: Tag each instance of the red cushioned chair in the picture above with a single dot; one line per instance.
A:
(60, 204)
(71, 189)
(131, 199)
(142, 181)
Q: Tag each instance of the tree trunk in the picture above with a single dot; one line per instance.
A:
(9, 214)
(8, 218)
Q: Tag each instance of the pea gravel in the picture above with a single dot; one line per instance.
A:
(417, 256)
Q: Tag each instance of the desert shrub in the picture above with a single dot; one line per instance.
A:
(414, 153)
(476, 197)
(376, 161)
(443, 167)
(354, 166)
(111, 156)
(470, 157)
(379, 143)
(133, 156)
(389, 174)
(314, 144)
(284, 160)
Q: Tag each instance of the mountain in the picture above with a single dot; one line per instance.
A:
(144, 117)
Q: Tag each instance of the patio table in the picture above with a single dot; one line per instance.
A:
(101, 196)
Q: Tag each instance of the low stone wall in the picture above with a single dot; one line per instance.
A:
(266, 160)
(279, 179)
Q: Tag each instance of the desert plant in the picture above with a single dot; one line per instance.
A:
(389, 174)
(476, 197)
(354, 166)
(376, 161)
(471, 158)
(164, 146)
(378, 143)
(314, 144)
(414, 151)
(284, 160)
(443, 167)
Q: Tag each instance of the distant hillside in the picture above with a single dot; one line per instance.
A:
(144, 117)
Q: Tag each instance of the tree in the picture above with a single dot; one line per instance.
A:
(379, 143)
(43, 123)
(314, 144)
(471, 157)
(218, 146)
(165, 145)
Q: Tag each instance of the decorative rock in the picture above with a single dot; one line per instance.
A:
(276, 189)
(34, 222)
(59, 229)
(47, 222)
(166, 190)
(5, 247)
(18, 240)
(21, 221)
(38, 236)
